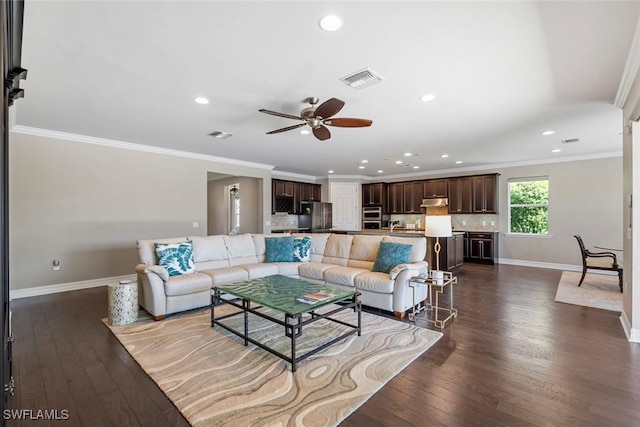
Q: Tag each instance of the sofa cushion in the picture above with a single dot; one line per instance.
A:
(227, 275)
(187, 284)
(302, 249)
(176, 258)
(147, 249)
(391, 254)
(338, 249)
(209, 248)
(279, 249)
(365, 248)
(288, 268)
(374, 282)
(260, 270)
(313, 270)
(419, 246)
(342, 275)
(241, 249)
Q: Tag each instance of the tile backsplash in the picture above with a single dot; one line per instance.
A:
(459, 222)
(283, 221)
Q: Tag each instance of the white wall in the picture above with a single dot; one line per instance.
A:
(87, 204)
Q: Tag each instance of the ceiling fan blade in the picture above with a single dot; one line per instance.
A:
(322, 133)
(286, 129)
(348, 123)
(329, 108)
(275, 113)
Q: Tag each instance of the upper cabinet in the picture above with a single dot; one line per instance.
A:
(435, 188)
(310, 192)
(395, 199)
(282, 188)
(373, 194)
(484, 191)
(286, 196)
(412, 194)
(459, 190)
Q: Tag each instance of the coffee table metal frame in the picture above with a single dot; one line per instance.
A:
(293, 322)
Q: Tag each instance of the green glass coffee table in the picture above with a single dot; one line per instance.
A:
(282, 294)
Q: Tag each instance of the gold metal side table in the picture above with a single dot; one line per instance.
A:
(432, 304)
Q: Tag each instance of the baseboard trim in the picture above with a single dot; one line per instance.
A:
(65, 287)
(551, 265)
(633, 335)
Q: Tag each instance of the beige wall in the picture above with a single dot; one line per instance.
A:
(250, 218)
(87, 204)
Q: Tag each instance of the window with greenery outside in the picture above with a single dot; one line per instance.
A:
(529, 206)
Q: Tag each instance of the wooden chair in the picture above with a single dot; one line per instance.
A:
(598, 261)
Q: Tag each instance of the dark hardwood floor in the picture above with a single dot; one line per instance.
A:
(513, 357)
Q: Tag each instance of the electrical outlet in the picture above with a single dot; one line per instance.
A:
(484, 222)
(464, 223)
(493, 223)
(56, 264)
(195, 224)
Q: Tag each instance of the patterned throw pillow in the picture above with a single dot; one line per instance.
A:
(391, 254)
(279, 249)
(176, 258)
(302, 249)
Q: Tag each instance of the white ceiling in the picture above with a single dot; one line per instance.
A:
(503, 72)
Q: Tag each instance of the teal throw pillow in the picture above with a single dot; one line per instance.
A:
(279, 249)
(391, 254)
(176, 258)
(302, 249)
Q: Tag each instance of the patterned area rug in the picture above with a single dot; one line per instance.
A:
(213, 379)
(597, 291)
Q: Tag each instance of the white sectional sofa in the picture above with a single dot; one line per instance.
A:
(336, 259)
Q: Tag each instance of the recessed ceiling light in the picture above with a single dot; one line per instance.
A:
(556, 150)
(329, 171)
(330, 23)
(305, 132)
(360, 167)
(408, 154)
(380, 171)
(364, 161)
(548, 132)
(218, 134)
(416, 167)
(398, 162)
(427, 97)
(444, 156)
(459, 162)
(201, 100)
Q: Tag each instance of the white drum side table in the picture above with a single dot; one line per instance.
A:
(123, 302)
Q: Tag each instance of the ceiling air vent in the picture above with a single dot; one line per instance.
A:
(218, 134)
(570, 141)
(362, 78)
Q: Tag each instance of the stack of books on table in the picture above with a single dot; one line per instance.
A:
(313, 298)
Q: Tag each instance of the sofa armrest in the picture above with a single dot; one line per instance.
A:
(151, 295)
(414, 268)
(402, 293)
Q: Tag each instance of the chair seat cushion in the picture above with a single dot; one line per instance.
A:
(187, 284)
(599, 262)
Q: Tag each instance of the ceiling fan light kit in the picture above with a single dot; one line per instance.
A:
(319, 118)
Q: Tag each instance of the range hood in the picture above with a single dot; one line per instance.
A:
(434, 203)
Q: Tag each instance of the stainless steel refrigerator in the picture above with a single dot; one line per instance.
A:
(316, 216)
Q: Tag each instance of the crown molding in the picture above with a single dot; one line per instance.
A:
(630, 70)
(46, 133)
(283, 174)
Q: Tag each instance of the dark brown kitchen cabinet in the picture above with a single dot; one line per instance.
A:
(483, 247)
(412, 194)
(484, 191)
(434, 188)
(451, 252)
(459, 195)
(297, 197)
(373, 194)
(310, 192)
(395, 199)
(282, 188)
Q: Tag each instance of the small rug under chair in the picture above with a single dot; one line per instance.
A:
(597, 291)
(214, 380)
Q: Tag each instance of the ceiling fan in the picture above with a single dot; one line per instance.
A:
(319, 118)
